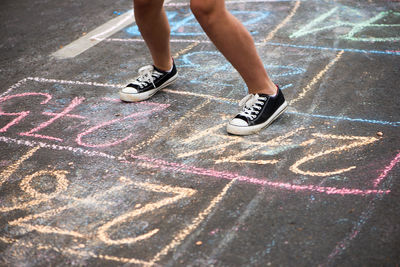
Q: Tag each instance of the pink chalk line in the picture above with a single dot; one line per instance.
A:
(178, 167)
(232, 2)
(75, 102)
(365, 215)
(19, 115)
(387, 170)
(137, 116)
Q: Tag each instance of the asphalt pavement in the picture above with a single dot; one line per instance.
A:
(87, 180)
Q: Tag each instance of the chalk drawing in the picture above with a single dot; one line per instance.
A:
(358, 141)
(342, 245)
(136, 116)
(74, 103)
(19, 115)
(188, 26)
(62, 183)
(178, 238)
(329, 20)
(179, 193)
(299, 46)
(317, 78)
(387, 169)
(164, 131)
(6, 173)
(271, 34)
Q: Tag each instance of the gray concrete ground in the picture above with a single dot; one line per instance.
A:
(88, 180)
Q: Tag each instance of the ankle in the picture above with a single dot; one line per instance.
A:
(271, 89)
(167, 67)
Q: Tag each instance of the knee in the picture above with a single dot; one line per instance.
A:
(204, 10)
(142, 5)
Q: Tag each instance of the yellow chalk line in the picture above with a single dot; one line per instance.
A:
(195, 152)
(277, 141)
(186, 49)
(166, 130)
(283, 23)
(180, 193)
(317, 78)
(5, 174)
(195, 223)
(363, 141)
(204, 133)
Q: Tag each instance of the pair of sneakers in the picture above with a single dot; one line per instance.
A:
(258, 110)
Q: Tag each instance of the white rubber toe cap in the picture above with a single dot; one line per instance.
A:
(129, 90)
(238, 122)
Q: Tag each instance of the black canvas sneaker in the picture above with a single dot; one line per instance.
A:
(149, 82)
(258, 111)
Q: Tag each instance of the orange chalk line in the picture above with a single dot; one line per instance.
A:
(317, 77)
(283, 23)
(202, 134)
(195, 223)
(5, 174)
(62, 184)
(179, 193)
(166, 130)
(217, 147)
(75, 252)
(186, 49)
(362, 142)
(278, 141)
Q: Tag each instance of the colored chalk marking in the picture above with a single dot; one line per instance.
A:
(318, 25)
(179, 193)
(177, 167)
(358, 141)
(178, 238)
(342, 118)
(136, 116)
(271, 35)
(188, 25)
(387, 170)
(317, 78)
(5, 174)
(19, 115)
(74, 103)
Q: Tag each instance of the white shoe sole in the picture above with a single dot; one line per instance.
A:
(145, 95)
(247, 130)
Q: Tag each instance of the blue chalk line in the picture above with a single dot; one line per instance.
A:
(391, 123)
(395, 53)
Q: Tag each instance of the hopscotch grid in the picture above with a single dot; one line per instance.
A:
(154, 163)
(239, 178)
(148, 162)
(211, 97)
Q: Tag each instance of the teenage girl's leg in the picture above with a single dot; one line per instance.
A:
(234, 41)
(153, 25)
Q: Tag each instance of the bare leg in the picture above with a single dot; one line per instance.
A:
(153, 25)
(234, 42)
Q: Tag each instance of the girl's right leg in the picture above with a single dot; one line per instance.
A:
(152, 21)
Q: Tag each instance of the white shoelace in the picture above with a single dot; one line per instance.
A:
(252, 104)
(147, 75)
